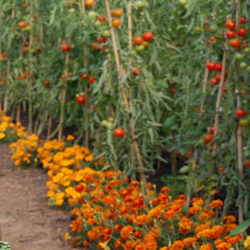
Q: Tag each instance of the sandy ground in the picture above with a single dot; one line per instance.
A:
(26, 221)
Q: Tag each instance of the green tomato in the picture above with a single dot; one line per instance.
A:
(92, 14)
(97, 24)
(213, 28)
(72, 10)
(198, 29)
(183, 2)
(139, 4)
(104, 123)
(109, 125)
(243, 65)
(140, 48)
(248, 69)
(106, 33)
(238, 56)
(247, 50)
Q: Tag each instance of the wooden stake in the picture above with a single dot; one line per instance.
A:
(63, 100)
(125, 100)
(239, 130)
(85, 63)
(217, 108)
(49, 126)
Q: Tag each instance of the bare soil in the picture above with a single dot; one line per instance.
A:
(26, 220)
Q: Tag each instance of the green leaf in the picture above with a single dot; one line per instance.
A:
(241, 228)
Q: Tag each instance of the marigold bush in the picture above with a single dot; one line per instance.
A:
(109, 211)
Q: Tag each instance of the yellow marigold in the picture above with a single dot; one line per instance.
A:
(184, 225)
(247, 243)
(66, 236)
(2, 136)
(216, 204)
(207, 246)
(126, 231)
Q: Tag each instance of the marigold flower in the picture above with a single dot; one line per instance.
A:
(247, 243)
(141, 219)
(191, 241)
(178, 245)
(184, 225)
(216, 204)
(229, 219)
(126, 231)
(207, 246)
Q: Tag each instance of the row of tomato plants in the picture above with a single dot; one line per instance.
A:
(110, 211)
(144, 79)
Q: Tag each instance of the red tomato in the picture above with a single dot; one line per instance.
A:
(243, 91)
(208, 138)
(242, 31)
(101, 18)
(221, 169)
(136, 71)
(46, 82)
(81, 99)
(217, 192)
(212, 130)
(214, 81)
(240, 112)
(218, 77)
(243, 20)
(138, 40)
(101, 39)
(230, 24)
(230, 33)
(248, 163)
(83, 76)
(224, 90)
(65, 47)
(235, 43)
(212, 38)
(211, 65)
(91, 79)
(95, 46)
(173, 90)
(148, 36)
(218, 67)
(119, 132)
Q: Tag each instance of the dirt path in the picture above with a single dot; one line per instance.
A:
(26, 221)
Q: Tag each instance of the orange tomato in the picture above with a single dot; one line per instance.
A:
(90, 3)
(116, 22)
(138, 40)
(117, 12)
(22, 24)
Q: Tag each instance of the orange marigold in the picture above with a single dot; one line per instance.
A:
(126, 231)
(216, 204)
(178, 245)
(229, 219)
(207, 246)
(184, 225)
(191, 241)
(141, 219)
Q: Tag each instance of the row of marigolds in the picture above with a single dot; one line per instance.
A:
(109, 211)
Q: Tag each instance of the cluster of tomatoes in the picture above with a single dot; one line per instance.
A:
(3, 56)
(231, 33)
(90, 78)
(213, 66)
(142, 42)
